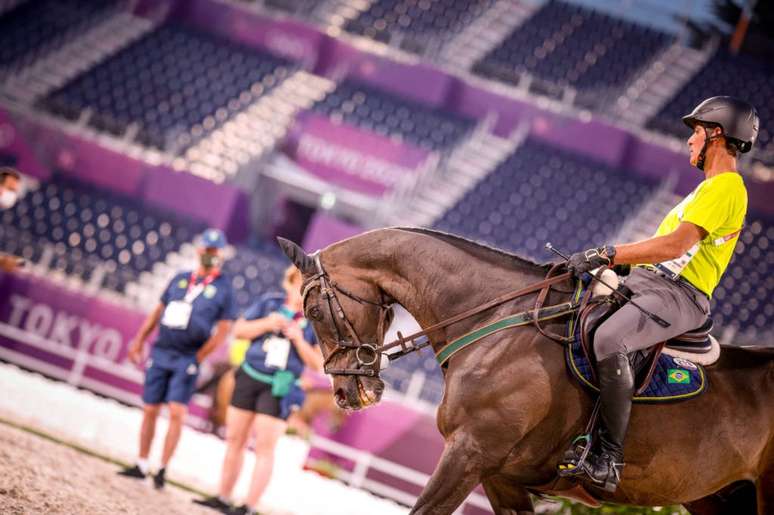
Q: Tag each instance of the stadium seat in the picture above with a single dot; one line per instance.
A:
(174, 85)
(418, 24)
(742, 76)
(540, 194)
(391, 115)
(89, 228)
(573, 46)
(34, 28)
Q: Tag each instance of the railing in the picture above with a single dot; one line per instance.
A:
(365, 461)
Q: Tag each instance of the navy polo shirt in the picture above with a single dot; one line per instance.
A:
(256, 355)
(216, 302)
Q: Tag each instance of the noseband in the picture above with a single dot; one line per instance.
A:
(367, 365)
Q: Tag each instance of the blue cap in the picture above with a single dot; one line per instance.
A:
(213, 238)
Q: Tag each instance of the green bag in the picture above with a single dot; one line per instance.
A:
(281, 383)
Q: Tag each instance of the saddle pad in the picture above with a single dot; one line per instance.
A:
(674, 379)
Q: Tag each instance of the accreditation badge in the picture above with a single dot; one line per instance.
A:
(277, 352)
(177, 314)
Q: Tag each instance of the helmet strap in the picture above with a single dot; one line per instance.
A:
(700, 162)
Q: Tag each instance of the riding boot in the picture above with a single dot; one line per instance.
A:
(616, 388)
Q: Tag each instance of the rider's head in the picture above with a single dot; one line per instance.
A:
(721, 124)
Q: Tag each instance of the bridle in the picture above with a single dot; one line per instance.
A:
(371, 365)
(367, 365)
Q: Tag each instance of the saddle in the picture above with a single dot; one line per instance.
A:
(663, 372)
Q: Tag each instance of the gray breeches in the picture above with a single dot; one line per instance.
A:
(629, 330)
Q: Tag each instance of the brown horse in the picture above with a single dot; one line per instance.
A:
(509, 408)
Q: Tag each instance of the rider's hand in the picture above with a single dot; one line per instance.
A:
(582, 262)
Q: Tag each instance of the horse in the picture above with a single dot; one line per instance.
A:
(509, 408)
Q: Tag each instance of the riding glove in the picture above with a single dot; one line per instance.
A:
(582, 262)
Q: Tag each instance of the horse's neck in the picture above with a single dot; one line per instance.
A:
(434, 280)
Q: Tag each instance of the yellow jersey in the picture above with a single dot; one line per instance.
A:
(718, 205)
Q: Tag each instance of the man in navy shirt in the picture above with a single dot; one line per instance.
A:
(194, 317)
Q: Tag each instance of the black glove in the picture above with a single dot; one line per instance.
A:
(582, 262)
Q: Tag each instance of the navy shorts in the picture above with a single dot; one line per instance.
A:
(170, 377)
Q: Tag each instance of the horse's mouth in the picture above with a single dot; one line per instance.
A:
(364, 397)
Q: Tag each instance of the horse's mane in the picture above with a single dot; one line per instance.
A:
(482, 251)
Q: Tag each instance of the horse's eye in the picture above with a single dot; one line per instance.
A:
(314, 313)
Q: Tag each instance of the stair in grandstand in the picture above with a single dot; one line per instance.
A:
(59, 66)
(666, 75)
(336, 13)
(485, 33)
(465, 166)
(253, 132)
(645, 221)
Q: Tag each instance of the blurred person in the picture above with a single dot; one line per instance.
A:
(266, 387)
(194, 317)
(10, 184)
(676, 270)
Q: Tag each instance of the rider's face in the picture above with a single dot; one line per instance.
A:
(695, 143)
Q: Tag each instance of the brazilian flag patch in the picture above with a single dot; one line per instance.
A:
(678, 376)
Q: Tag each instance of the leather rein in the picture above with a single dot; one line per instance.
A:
(369, 365)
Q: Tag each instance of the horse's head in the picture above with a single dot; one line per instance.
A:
(349, 316)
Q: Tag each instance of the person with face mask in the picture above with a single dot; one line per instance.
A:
(194, 317)
(10, 183)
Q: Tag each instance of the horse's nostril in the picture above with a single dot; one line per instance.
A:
(339, 395)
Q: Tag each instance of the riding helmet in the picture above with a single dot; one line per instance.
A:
(738, 119)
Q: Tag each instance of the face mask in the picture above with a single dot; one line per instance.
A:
(7, 199)
(209, 260)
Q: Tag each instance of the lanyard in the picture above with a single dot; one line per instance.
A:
(194, 290)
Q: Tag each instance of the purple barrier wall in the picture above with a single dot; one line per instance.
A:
(350, 157)
(325, 229)
(218, 205)
(286, 37)
(73, 337)
(415, 80)
(13, 143)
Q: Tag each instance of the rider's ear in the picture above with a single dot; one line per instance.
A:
(297, 255)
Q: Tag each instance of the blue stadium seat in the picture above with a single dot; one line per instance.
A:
(86, 226)
(256, 270)
(725, 74)
(166, 83)
(389, 114)
(420, 23)
(541, 193)
(568, 45)
(744, 299)
(33, 28)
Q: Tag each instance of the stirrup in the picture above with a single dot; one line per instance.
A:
(574, 460)
(611, 481)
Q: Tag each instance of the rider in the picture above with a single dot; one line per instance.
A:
(677, 269)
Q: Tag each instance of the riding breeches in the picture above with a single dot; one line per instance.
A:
(629, 329)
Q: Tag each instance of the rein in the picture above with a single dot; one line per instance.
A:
(420, 339)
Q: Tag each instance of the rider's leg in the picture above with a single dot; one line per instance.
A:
(626, 331)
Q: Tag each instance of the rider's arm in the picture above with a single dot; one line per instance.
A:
(660, 248)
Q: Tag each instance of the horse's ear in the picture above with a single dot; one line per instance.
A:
(297, 255)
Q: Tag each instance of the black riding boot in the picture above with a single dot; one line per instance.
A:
(616, 387)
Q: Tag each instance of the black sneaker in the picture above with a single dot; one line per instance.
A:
(159, 480)
(133, 472)
(242, 510)
(215, 503)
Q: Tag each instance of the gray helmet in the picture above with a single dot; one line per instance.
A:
(738, 119)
